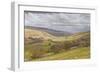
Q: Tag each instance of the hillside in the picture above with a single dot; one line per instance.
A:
(31, 34)
(41, 45)
(50, 31)
(79, 36)
(78, 53)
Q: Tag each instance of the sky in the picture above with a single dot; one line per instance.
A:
(70, 22)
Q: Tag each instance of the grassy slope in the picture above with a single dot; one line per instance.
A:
(41, 34)
(45, 35)
(78, 53)
(78, 35)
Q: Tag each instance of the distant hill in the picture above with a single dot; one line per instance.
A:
(32, 34)
(79, 35)
(50, 31)
(41, 34)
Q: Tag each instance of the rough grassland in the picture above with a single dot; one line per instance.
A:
(78, 53)
(41, 34)
(42, 46)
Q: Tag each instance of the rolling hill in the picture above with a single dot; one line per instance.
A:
(41, 44)
(43, 35)
(50, 31)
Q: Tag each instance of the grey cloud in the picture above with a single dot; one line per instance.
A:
(58, 21)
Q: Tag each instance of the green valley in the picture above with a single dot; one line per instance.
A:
(42, 46)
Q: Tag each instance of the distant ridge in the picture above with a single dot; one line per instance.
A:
(50, 31)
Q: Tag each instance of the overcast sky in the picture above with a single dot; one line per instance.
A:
(72, 22)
